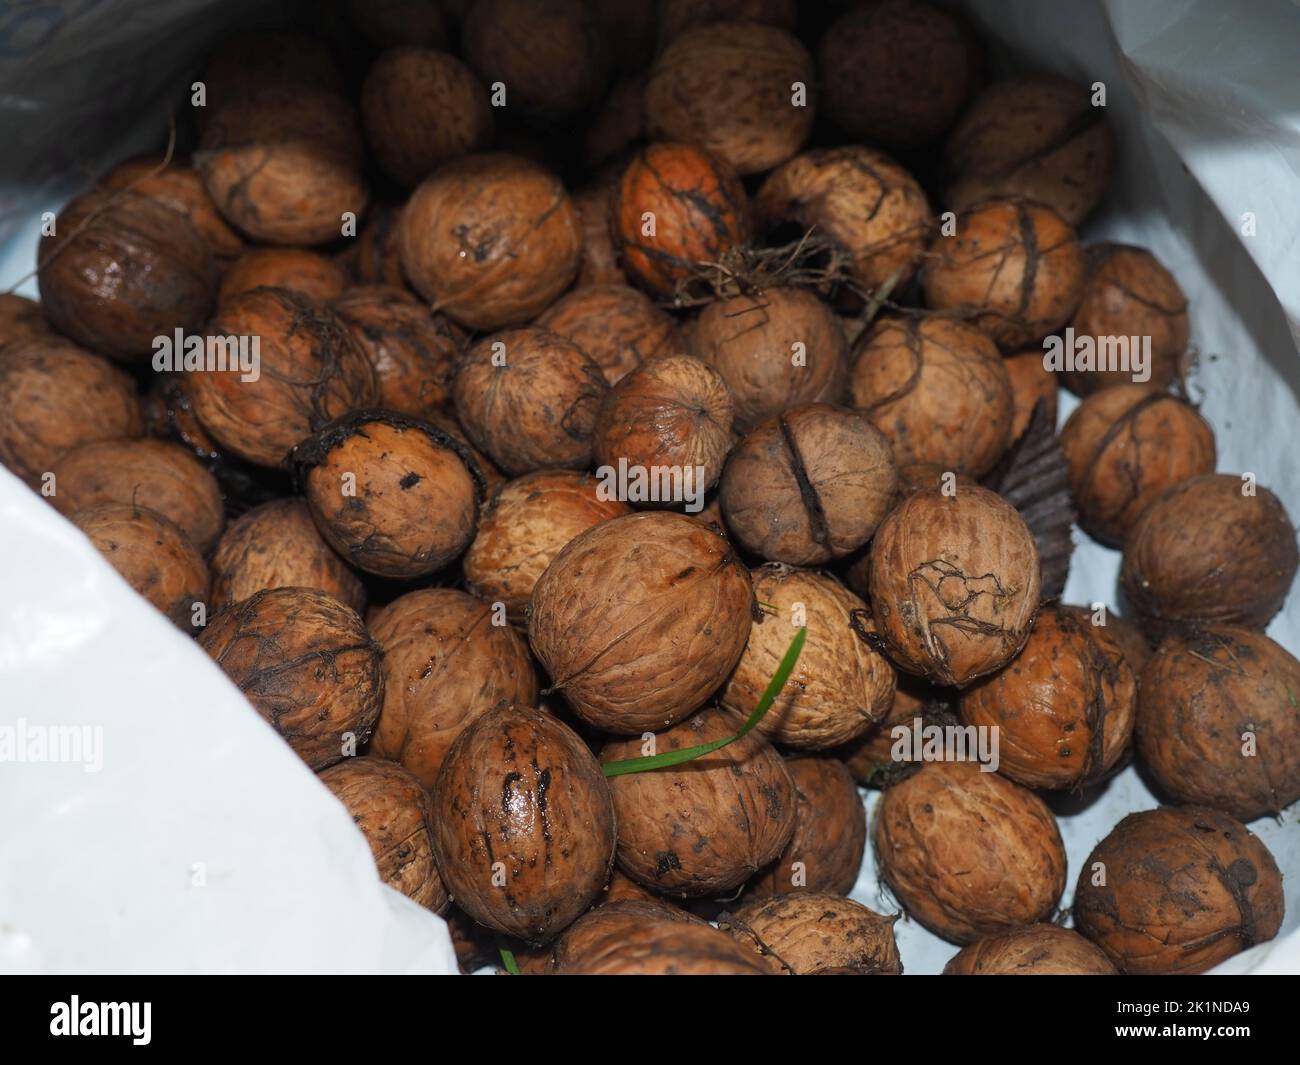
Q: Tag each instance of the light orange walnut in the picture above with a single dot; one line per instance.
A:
(840, 686)
(524, 525)
(309, 273)
(1031, 382)
(444, 664)
(969, 853)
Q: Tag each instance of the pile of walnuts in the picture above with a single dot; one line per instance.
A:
(580, 359)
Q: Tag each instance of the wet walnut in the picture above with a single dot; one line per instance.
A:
(1219, 721)
(525, 524)
(640, 619)
(490, 240)
(523, 823)
(277, 545)
(830, 833)
(310, 371)
(529, 398)
(1063, 707)
(968, 853)
(873, 211)
(153, 555)
(809, 485)
(954, 583)
(55, 396)
(391, 494)
(1178, 890)
(938, 390)
(1040, 138)
(445, 664)
(617, 326)
(1213, 550)
(178, 186)
(816, 933)
(1124, 446)
(707, 826)
(308, 666)
(775, 351)
(152, 473)
(122, 269)
(308, 273)
(392, 809)
(742, 90)
(1013, 266)
(1037, 950)
(840, 686)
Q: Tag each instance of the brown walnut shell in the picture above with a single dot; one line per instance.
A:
(598, 264)
(1031, 383)
(815, 932)
(1037, 950)
(308, 273)
(179, 187)
(616, 325)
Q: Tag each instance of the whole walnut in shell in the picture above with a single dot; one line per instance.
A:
(1063, 707)
(121, 269)
(732, 88)
(616, 325)
(178, 186)
(840, 686)
(938, 390)
(598, 264)
(1013, 265)
(704, 827)
(1040, 138)
(830, 833)
(1037, 950)
(674, 416)
(529, 399)
(1213, 550)
(523, 823)
(897, 72)
(872, 210)
(1031, 383)
(1124, 446)
(393, 811)
(413, 351)
(153, 555)
(873, 757)
(816, 932)
(277, 545)
(808, 485)
(954, 584)
(1177, 890)
(1128, 293)
(54, 396)
(774, 350)
(640, 619)
(376, 258)
(152, 473)
(490, 240)
(1218, 723)
(969, 853)
(633, 937)
(675, 209)
(445, 664)
(525, 524)
(308, 273)
(22, 320)
(308, 666)
(420, 108)
(310, 371)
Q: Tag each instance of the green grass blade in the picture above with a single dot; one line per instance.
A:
(508, 958)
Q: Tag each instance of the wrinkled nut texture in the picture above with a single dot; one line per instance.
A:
(815, 932)
(1038, 950)
(618, 326)
(308, 273)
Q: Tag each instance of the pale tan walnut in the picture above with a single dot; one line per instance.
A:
(814, 933)
(523, 823)
(1014, 267)
(1063, 707)
(730, 87)
(840, 686)
(1218, 721)
(872, 210)
(1036, 950)
(306, 663)
(938, 390)
(704, 827)
(969, 853)
(618, 327)
(308, 273)
(393, 811)
(954, 583)
(1177, 890)
(277, 545)
(445, 664)
(640, 619)
(525, 524)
